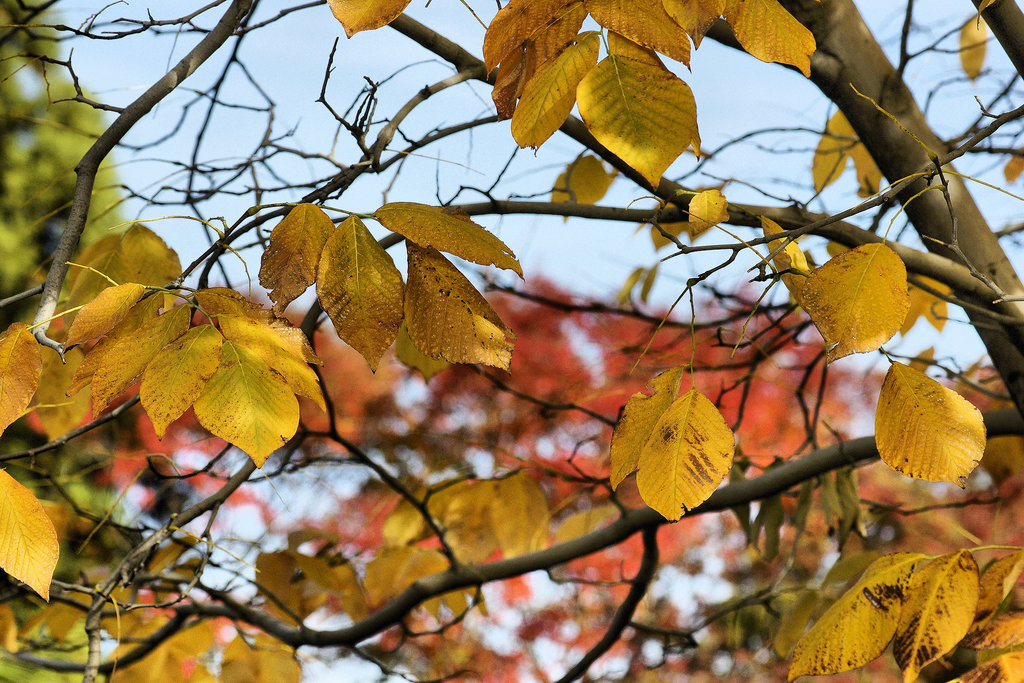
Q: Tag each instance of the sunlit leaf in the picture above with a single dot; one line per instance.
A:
(359, 15)
(938, 611)
(447, 318)
(519, 515)
(645, 23)
(686, 457)
(268, 660)
(695, 16)
(8, 628)
(706, 210)
(790, 261)
(793, 620)
(973, 43)
(147, 258)
(767, 31)
(1003, 458)
(641, 112)
(409, 355)
(28, 542)
(1006, 630)
(176, 376)
(395, 569)
(361, 290)
(584, 522)
(997, 581)
(925, 430)
(21, 364)
(584, 181)
(549, 96)
(289, 264)
(541, 28)
(634, 428)
(622, 46)
(169, 659)
(857, 627)
(1008, 668)
(1014, 167)
(101, 314)
(466, 518)
(58, 413)
(248, 404)
(431, 226)
(858, 300)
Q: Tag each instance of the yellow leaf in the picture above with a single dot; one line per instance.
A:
(247, 404)
(176, 376)
(395, 569)
(925, 430)
(57, 413)
(217, 301)
(431, 226)
(695, 16)
(634, 428)
(338, 579)
(997, 581)
(1013, 167)
(1008, 668)
(767, 31)
(858, 300)
(538, 28)
(938, 611)
(101, 314)
(28, 541)
(21, 364)
(707, 209)
(973, 39)
(359, 15)
(645, 23)
(169, 660)
(584, 181)
(686, 457)
(641, 112)
(857, 627)
(621, 46)
(125, 360)
(1006, 630)
(985, 5)
(467, 520)
(793, 621)
(838, 144)
(361, 290)
(519, 515)
(584, 522)
(447, 318)
(549, 96)
(923, 303)
(267, 661)
(147, 258)
(407, 353)
(289, 263)
(791, 259)
(8, 629)
(1004, 456)
(920, 361)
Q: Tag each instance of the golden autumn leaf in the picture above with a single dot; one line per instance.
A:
(641, 112)
(793, 620)
(686, 457)
(289, 264)
(1008, 668)
(584, 522)
(147, 258)
(645, 23)
(467, 520)
(395, 569)
(58, 413)
(447, 318)
(28, 541)
(549, 96)
(361, 290)
(973, 44)
(1013, 167)
(839, 144)
(359, 15)
(21, 365)
(927, 305)
(248, 404)
(519, 515)
(101, 314)
(858, 300)
(634, 428)
(707, 209)
(584, 181)
(539, 28)
(767, 31)
(790, 261)
(1006, 630)
(412, 357)
(938, 611)
(340, 580)
(431, 226)
(265, 660)
(176, 376)
(997, 581)
(985, 4)
(858, 626)
(622, 46)
(695, 16)
(168, 660)
(925, 430)
(8, 629)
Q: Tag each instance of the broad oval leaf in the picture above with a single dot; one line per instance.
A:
(58, 413)
(706, 210)
(359, 15)
(767, 31)
(431, 226)
(21, 365)
(858, 300)
(925, 430)
(940, 608)
(248, 404)
(1006, 630)
(791, 258)
(520, 516)
(101, 314)
(645, 23)
(584, 181)
(447, 318)
(858, 626)
(147, 258)
(686, 457)
(997, 581)
(641, 112)
(973, 43)
(634, 428)
(549, 96)
(695, 16)
(540, 28)
(412, 357)
(28, 541)
(175, 377)
(289, 264)
(361, 290)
